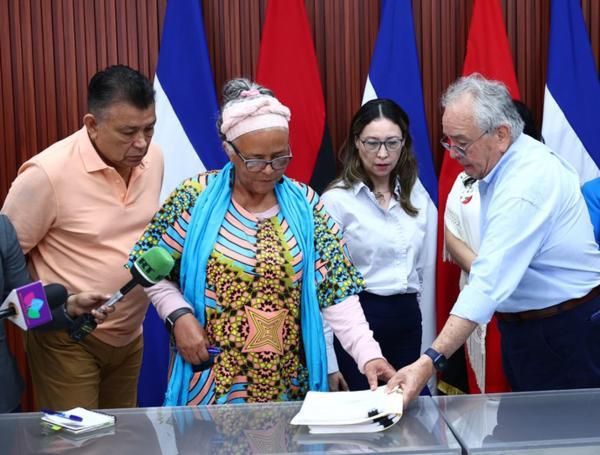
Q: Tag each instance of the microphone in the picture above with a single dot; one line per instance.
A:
(31, 305)
(151, 267)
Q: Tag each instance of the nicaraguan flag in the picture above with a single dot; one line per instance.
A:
(395, 74)
(572, 95)
(186, 113)
(186, 104)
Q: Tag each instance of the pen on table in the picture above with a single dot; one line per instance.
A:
(73, 417)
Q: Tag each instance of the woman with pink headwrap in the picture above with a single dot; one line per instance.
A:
(259, 266)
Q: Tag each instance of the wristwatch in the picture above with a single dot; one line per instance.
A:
(440, 362)
(171, 318)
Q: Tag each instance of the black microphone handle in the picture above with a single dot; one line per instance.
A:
(129, 286)
(7, 313)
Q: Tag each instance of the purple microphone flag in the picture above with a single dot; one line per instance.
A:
(33, 303)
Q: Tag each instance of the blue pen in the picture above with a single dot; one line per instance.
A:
(213, 350)
(73, 417)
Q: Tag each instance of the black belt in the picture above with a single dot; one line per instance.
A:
(553, 310)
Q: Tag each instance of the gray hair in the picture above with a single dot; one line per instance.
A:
(232, 93)
(492, 103)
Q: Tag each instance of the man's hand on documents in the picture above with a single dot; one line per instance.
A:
(412, 378)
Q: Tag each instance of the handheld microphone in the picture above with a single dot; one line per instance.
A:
(31, 305)
(151, 267)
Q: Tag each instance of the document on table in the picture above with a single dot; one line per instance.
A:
(364, 411)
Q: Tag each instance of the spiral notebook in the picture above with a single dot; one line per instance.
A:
(91, 420)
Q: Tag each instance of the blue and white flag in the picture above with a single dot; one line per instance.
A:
(395, 74)
(572, 95)
(186, 113)
(186, 104)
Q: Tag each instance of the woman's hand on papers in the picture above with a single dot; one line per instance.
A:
(378, 369)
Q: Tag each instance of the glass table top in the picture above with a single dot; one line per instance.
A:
(247, 428)
(556, 422)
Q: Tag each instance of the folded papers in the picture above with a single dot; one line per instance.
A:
(364, 411)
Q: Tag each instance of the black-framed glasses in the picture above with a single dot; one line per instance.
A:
(392, 144)
(257, 165)
(447, 144)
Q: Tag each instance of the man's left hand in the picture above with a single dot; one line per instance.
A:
(378, 369)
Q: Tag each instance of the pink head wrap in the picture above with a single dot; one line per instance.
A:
(253, 113)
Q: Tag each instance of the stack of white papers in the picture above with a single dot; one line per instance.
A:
(350, 412)
(91, 420)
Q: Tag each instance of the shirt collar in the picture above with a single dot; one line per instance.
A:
(360, 185)
(504, 159)
(91, 159)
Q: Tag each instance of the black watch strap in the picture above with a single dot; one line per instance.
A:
(440, 362)
(171, 318)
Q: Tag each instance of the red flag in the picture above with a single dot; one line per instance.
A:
(287, 64)
(488, 53)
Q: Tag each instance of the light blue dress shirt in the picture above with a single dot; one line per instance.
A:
(537, 246)
(591, 196)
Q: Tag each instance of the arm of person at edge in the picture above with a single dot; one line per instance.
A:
(460, 252)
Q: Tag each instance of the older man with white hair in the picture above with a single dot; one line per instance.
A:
(538, 267)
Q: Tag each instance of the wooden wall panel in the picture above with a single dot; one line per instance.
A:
(49, 49)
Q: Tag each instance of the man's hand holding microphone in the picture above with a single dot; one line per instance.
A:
(151, 267)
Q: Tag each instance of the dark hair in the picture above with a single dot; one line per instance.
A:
(405, 170)
(529, 128)
(119, 83)
(232, 93)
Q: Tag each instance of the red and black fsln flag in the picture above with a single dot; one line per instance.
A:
(287, 64)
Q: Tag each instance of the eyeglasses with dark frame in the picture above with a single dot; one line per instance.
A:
(462, 151)
(392, 144)
(258, 165)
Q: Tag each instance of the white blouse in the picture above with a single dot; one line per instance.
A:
(395, 252)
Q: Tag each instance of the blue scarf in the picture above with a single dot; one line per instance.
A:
(207, 216)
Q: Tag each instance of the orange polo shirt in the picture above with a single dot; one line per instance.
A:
(77, 220)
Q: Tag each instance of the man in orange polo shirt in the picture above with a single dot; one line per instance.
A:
(78, 207)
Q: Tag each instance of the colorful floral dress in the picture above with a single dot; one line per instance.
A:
(252, 297)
